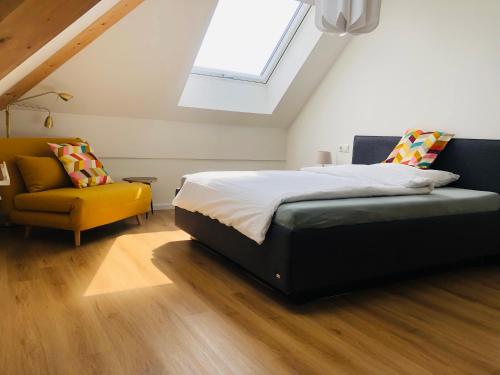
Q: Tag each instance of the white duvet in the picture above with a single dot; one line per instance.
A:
(247, 200)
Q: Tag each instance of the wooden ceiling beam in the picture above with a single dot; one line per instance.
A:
(87, 36)
(27, 25)
(7, 6)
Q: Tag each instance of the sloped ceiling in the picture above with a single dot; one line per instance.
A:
(139, 68)
(65, 45)
(27, 25)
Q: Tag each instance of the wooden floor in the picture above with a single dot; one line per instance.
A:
(147, 300)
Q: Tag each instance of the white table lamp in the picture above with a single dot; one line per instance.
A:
(324, 157)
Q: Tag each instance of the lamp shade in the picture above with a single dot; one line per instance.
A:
(65, 96)
(346, 16)
(324, 157)
(48, 122)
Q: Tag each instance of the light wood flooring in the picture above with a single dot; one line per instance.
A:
(147, 300)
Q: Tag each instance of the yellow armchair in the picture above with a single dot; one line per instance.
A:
(66, 208)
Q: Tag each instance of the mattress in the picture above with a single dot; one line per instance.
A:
(330, 213)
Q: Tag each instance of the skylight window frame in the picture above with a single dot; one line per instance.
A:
(273, 61)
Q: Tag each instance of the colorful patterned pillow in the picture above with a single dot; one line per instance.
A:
(418, 148)
(81, 164)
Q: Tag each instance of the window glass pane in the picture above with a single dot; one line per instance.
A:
(243, 34)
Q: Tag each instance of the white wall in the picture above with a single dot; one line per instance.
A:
(431, 63)
(165, 149)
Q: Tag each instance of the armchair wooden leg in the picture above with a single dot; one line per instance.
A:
(27, 231)
(139, 219)
(77, 237)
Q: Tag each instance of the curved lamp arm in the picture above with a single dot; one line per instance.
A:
(63, 95)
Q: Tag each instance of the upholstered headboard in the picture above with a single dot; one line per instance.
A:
(477, 161)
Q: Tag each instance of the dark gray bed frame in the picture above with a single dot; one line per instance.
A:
(308, 263)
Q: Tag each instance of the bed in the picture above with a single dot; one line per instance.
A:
(323, 247)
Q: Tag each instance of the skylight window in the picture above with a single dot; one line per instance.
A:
(246, 39)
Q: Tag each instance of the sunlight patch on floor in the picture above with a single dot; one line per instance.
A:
(129, 264)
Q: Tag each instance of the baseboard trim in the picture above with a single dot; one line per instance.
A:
(193, 158)
(163, 206)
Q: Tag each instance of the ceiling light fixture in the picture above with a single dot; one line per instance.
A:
(346, 16)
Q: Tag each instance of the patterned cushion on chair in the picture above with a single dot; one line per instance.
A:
(81, 164)
(418, 148)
